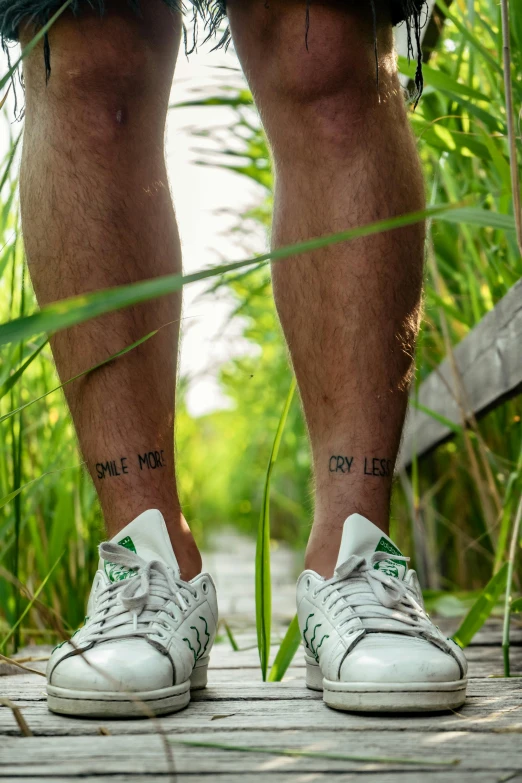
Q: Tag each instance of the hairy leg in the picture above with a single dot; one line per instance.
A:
(97, 213)
(344, 156)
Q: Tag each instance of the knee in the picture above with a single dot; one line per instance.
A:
(336, 56)
(104, 74)
(323, 81)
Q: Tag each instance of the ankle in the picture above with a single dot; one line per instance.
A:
(189, 560)
(185, 548)
(324, 543)
(321, 559)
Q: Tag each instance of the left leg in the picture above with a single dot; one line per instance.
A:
(344, 156)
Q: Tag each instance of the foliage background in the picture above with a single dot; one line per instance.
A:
(453, 512)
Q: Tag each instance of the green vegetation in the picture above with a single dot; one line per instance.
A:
(455, 512)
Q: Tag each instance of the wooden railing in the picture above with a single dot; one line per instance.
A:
(485, 370)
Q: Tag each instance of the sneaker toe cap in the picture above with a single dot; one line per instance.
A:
(388, 659)
(132, 665)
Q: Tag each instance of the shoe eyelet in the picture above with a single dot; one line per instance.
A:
(204, 587)
(308, 583)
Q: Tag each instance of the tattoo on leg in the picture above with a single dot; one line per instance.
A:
(152, 460)
(382, 468)
(112, 468)
(340, 464)
(370, 466)
(149, 460)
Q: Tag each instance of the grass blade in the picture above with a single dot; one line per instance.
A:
(263, 584)
(469, 36)
(507, 510)
(81, 374)
(35, 41)
(30, 604)
(485, 218)
(456, 428)
(482, 608)
(286, 653)
(77, 310)
(12, 380)
(230, 636)
(11, 496)
(14, 662)
(19, 718)
(313, 754)
(510, 119)
(509, 584)
(10, 161)
(441, 81)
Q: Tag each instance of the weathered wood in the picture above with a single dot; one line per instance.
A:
(490, 366)
(140, 754)
(275, 776)
(491, 707)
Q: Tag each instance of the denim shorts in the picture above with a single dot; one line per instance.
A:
(208, 16)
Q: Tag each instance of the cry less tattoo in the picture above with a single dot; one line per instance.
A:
(369, 466)
(149, 460)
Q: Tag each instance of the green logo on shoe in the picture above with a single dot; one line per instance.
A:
(390, 567)
(115, 572)
(310, 644)
(128, 543)
(201, 650)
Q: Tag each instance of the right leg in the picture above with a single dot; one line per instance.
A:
(97, 213)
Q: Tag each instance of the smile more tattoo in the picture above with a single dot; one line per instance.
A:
(149, 460)
(368, 466)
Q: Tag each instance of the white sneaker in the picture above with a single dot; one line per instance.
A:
(370, 646)
(147, 637)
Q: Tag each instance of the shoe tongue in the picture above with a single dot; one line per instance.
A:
(361, 537)
(147, 536)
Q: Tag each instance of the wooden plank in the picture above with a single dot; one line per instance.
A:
(145, 754)
(411, 776)
(491, 707)
(490, 364)
(238, 708)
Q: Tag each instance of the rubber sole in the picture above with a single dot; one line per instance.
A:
(111, 704)
(395, 697)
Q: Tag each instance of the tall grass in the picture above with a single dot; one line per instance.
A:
(459, 527)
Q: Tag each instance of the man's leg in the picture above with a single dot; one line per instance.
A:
(97, 213)
(344, 156)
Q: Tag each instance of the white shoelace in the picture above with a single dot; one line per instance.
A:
(374, 597)
(128, 607)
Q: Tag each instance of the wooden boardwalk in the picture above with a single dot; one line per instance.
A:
(237, 709)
